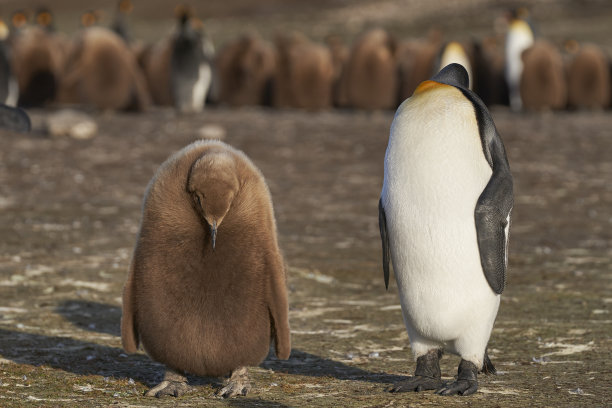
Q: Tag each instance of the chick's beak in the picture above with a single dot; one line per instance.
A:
(213, 233)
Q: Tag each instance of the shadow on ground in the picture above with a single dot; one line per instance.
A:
(107, 319)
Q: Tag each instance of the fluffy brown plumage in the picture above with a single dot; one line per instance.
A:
(543, 84)
(102, 71)
(246, 67)
(195, 308)
(416, 60)
(371, 76)
(589, 79)
(37, 61)
(304, 74)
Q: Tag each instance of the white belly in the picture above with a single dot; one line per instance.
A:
(435, 170)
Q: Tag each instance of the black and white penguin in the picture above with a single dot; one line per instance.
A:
(190, 64)
(518, 38)
(455, 52)
(444, 217)
(9, 90)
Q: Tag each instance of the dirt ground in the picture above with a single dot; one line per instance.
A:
(69, 213)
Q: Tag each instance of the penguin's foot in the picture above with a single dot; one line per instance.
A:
(416, 384)
(173, 384)
(427, 375)
(238, 384)
(466, 383)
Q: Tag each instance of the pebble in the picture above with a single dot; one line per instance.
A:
(212, 131)
(71, 123)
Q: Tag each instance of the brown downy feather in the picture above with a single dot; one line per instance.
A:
(193, 308)
(102, 71)
(304, 74)
(543, 84)
(38, 58)
(246, 67)
(371, 75)
(589, 79)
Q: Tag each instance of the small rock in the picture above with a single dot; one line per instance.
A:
(540, 360)
(212, 132)
(68, 122)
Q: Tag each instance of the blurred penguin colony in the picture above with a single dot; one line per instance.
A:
(105, 68)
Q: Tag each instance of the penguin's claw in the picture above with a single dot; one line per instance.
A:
(416, 384)
(461, 387)
(466, 383)
(238, 384)
(172, 388)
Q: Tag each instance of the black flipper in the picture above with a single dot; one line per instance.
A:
(15, 119)
(492, 212)
(382, 224)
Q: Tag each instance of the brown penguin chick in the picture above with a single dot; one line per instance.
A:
(245, 70)
(206, 291)
(588, 78)
(371, 76)
(489, 80)
(416, 63)
(38, 56)
(155, 63)
(304, 73)
(543, 84)
(102, 71)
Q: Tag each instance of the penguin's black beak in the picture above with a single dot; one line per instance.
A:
(213, 233)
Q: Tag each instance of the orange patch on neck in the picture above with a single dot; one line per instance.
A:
(427, 86)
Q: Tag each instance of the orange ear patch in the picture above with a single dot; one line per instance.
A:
(427, 86)
(19, 19)
(44, 19)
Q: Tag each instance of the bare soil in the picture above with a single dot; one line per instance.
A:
(69, 213)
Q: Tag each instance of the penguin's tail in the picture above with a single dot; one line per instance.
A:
(488, 367)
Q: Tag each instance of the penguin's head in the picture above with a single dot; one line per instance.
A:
(213, 184)
(19, 19)
(125, 6)
(44, 19)
(90, 18)
(453, 74)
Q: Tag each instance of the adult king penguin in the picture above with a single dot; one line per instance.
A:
(444, 217)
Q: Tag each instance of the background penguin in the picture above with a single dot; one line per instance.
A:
(588, 78)
(489, 81)
(38, 56)
(120, 24)
(444, 218)
(371, 75)
(206, 290)
(9, 90)
(190, 64)
(455, 52)
(304, 73)
(246, 69)
(518, 39)
(101, 71)
(416, 62)
(543, 84)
